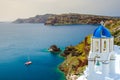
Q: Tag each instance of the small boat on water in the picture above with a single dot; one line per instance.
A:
(28, 62)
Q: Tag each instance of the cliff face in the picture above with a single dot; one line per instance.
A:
(65, 19)
(76, 57)
(36, 19)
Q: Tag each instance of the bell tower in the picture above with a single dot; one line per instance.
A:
(102, 43)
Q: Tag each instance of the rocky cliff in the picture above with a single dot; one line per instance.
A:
(65, 19)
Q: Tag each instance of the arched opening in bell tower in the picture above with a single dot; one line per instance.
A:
(97, 46)
(104, 49)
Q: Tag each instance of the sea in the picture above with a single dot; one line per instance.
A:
(20, 42)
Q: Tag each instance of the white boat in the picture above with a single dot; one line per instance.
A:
(28, 62)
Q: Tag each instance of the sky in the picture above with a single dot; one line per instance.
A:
(13, 9)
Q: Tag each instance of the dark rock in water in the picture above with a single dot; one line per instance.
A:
(54, 49)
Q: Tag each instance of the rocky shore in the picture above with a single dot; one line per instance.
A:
(75, 59)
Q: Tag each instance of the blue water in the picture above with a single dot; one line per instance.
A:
(20, 41)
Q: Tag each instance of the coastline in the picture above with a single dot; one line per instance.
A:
(75, 62)
(62, 73)
(59, 71)
(70, 25)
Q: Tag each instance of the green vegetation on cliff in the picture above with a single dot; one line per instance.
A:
(76, 58)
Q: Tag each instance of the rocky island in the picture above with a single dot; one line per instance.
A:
(54, 49)
(66, 19)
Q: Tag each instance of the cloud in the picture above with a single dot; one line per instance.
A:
(12, 9)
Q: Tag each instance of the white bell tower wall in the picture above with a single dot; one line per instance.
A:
(111, 44)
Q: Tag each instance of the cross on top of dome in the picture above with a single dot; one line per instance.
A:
(102, 23)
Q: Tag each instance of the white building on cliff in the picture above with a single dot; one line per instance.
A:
(102, 53)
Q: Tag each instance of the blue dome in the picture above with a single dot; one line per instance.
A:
(101, 31)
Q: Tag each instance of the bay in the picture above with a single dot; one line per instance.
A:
(20, 41)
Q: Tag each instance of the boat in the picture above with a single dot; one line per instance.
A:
(28, 62)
